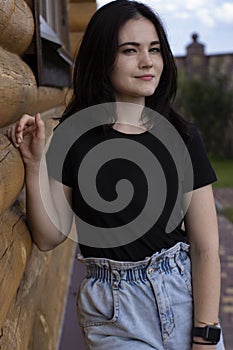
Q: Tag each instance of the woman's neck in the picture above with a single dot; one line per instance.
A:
(129, 128)
(129, 113)
(129, 118)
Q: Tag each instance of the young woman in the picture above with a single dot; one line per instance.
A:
(160, 290)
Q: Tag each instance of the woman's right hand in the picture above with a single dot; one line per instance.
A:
(28, 134)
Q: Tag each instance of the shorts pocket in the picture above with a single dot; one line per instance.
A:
(185, 271)
(188, 281)
(97, 303)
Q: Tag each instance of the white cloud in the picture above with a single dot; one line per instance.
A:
(182, 14)
(213, 19)
(209, 13)
(224, 13)
(191, 5)
(204, 15)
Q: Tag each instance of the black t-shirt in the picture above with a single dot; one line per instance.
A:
(159, 175)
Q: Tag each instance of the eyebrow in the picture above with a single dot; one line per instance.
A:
(133, 43)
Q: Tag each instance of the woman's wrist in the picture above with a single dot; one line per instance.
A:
(200, 343)
(32, 167)
(206, 334)
(202, 323)
(203, 347)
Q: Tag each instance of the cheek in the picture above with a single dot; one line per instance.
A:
(120, 70)
(116, 80)
(119, 74)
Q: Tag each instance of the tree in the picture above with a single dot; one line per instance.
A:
(210, 105)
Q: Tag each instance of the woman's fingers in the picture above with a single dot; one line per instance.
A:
(26, 119)
(29, 135)
(24, 122)
(26, 125)
(21, 125)
(40, 128)
(11, 133)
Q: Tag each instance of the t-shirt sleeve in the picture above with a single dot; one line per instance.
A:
(203, 172)
(59, 165)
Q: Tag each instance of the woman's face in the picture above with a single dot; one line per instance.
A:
(139, 62)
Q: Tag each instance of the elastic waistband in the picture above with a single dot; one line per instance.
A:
(108, 270)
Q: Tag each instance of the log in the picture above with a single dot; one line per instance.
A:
(48, 321)
(35, 316)
(12, 167)
(75, 41)
(18, 88)
(15, 250)
(19, 93)
(16, 25)
(12, 173)
(17, 327)
(80, 14)
(75, 1)
(47, 98)
(29, 3)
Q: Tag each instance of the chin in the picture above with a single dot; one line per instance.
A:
(149, 93)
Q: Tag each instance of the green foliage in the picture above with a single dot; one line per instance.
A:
(209, 103)
(224, 171)
(228, 212)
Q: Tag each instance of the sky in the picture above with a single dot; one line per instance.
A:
(211, 19)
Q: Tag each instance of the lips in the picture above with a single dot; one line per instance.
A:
(146, 77)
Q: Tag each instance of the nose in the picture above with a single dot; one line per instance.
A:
(145, 60)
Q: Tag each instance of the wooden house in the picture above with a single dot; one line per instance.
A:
(37, 41)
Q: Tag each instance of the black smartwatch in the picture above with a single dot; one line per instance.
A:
(208, 333)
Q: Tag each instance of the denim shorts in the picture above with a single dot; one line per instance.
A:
(140, 305)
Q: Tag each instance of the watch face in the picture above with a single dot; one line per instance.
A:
(213, 333)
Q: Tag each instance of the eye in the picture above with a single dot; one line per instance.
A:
(155, 49)
(129, 51)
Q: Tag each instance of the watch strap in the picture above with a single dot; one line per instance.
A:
(199, 332)
(202, 343)
(209, 333)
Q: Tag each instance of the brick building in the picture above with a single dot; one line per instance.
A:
(197, 64)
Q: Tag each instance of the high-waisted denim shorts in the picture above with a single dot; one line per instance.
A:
(140, 305)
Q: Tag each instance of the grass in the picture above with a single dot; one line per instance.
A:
(224, 171)
(228, 213)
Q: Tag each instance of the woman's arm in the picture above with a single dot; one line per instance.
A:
(202, 227)
(49, 215)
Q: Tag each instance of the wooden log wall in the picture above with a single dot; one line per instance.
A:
(80, 12)
(33, 285)
(16, 26)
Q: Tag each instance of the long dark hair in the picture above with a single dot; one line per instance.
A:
(97, 55)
